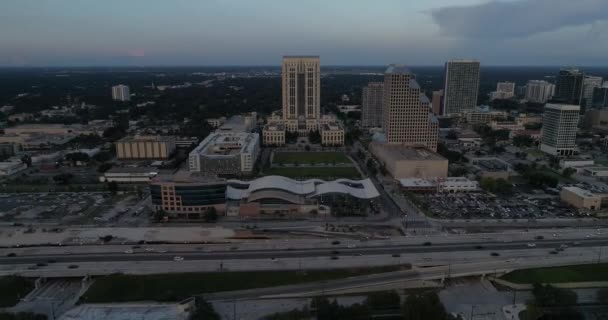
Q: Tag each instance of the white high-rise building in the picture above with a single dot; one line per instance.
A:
(504, 90)
(461, 86)
(121, 93)
(539, 91)
(406, 111)
(560, 123)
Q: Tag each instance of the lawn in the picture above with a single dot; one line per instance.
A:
(178, 286)
(577, 273)
(310, 157)
(12, 289)
(315, 172)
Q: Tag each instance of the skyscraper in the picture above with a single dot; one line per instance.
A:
(121, 93)
(569, 86)
(437, 102)
(461, 86)
(301, 92)
(539, 91)
(371, 104)
(600, 97)
(590, 83)
(560, 123)
(301, 101)
(407, 119)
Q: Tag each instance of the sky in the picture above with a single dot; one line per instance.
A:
(342, 32)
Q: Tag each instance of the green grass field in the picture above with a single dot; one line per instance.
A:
(310, 157)
(178, 286)
(314, 172)
(12, 289)
(577, 273)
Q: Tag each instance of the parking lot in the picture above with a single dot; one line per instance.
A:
(483, 206)
(65, 207)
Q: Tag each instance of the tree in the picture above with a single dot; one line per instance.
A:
(159, 215)
(113, 187)
(550, 296)
(452, 135)
(314, 136)
(76, 157)
(523, 141)
(568, 172)
(602, 296)
(383, 300)
(211, 215)
(203, 310)
(102, 157)
(63, 178)
(104, 167)
(22, 316)
(424, 306)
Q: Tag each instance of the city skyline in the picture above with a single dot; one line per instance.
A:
(222, 32)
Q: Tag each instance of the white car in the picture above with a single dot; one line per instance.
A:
(128, 251)
(178, 258)
(531, 245)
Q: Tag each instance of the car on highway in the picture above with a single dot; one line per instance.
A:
(178, 258)
(11, 254)
(273, 259)
(396, 255)
(128, 251)
(531, 245)
(73, 266)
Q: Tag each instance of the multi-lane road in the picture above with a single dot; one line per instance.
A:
(151, 254)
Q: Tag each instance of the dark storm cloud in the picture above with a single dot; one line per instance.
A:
(518, 18)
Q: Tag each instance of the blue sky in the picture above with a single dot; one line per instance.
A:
(342, 32)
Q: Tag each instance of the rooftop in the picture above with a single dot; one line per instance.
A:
(398, 69)
(147, 138)
(184, 176)
(398, 152)
(563, 107)
(580, 192)
(227, 144)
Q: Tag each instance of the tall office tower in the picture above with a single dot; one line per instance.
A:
(569, 86)
(371, 104)
(437, 102)
(406, 115)
(121, 93)
(589, 85)
(301, 92)
(539, 91)
(461, 86)
(600, 97)
(560, 123)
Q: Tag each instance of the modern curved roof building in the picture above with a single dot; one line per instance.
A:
(293, 191)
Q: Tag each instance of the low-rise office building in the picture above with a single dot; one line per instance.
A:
(226, 153)
(129, 175)
(410, 162)
(187, 195)
(145, 147)
(580, 198)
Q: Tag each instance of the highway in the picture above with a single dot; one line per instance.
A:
(351, 250)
